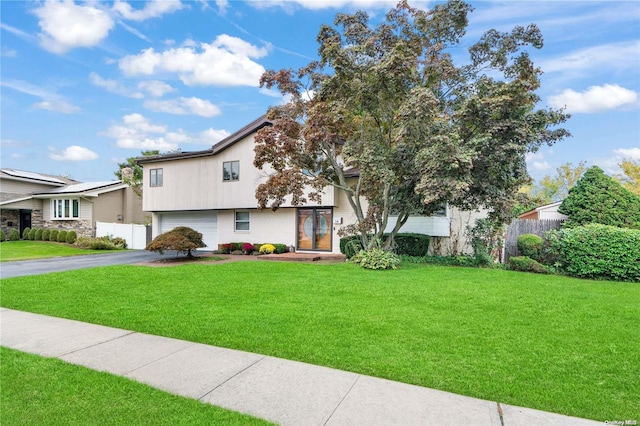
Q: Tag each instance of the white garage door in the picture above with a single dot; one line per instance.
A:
(204, 222)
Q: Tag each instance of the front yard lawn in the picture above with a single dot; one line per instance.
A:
(27, 250)
(47, 391)
(547, 342)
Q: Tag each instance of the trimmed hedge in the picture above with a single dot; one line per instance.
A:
(39, 234)
(14, 235)
(62, 236)
(601, 252)
(3, 236)
(530, 245)
(526, 264)
(72, 236)
(25, 233)
(407, 244)
(45, 234)
(53, 235)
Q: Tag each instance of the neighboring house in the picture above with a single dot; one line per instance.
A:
(213, 192)
(546, 212)
(35, 200)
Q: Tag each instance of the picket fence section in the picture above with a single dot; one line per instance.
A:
(526, 226)
(134, 235)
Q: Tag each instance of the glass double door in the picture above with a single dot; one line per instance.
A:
(314, 229)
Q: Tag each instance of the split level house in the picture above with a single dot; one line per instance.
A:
(36, 200)
(213, 192)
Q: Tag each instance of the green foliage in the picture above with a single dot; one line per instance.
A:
(442, 260)
(14, 235)
(135, 181)
(38, 236)
(350, 246)
(526, 264)
(32, 234)
(71, 237)
(597, 198)
(376, 258)
(602, 252)
(411, 244)
(25, 233)
(3, 236)
(62, 236)
(551, 248)
(267, 248)
(96, 243)
(182, 239)
(420, 128)
(530, 245)
(45, 235)
(53, 235)
(486, 239)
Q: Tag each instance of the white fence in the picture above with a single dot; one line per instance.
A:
(134, 235)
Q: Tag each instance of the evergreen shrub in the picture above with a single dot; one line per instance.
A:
(526, 264)
(53, 235)
(530, 245)
(601, 252)
(72, 236)
(45, 234)
(62, 236)
(25, 233)
(14, 235)
(39, 234)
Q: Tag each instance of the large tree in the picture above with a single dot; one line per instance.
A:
(386, 116)
(556, 188)
(630, 177)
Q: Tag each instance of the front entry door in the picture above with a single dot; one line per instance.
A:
(314, 229)
(25, 220)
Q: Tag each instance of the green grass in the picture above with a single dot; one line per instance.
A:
(47, 391)
(27, 250)
(547, 342)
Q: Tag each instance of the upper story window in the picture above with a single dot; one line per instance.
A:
(155, 177)
(66, 209)
(230, 171)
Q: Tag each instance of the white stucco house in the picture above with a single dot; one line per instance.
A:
(213, 192)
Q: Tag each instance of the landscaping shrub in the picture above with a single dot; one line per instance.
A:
(280, 248)
(248, 248)
(530, 245)
(486, 238)
(601, 252)
(597, 198)
(552, 243)
(442, 260)
(350, 245)
(32, 234)
(120, 243)
(412, 244)
(62, 236)
(267, 249)
(45, 234)
(100, 244)
(53, 235)
(25, 233)
(14, 235)
(71, 237)
(236, 246)
(182, 239)
(39, 234)
(526, 264)
(3, 236)
(376, 259)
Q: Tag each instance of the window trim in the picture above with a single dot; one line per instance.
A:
(231, 163)
(153, 178)
(236, 221)
(65, 209)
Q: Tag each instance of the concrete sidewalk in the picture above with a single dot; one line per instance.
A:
(282, 391)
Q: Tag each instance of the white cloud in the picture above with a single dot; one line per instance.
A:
(536, 162)
(57, 106)
(222, 6)
(137, 132)
(212, 136)
(66, 25)
(225, 62)
(155, 88)
(9, 53)
(595, 99)
(184, 106)
(113, 86)
(73, 153)
(628, 153)
(134, 31)
(288, 5)
(615, 56)
(152, 9)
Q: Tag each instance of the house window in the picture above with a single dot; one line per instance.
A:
(242, 221)
(230, 170)
(66, 209)
(155, 177)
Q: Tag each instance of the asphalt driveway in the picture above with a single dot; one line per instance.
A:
(58, 264)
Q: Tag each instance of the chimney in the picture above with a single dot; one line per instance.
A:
(127, 173)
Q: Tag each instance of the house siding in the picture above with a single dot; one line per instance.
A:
(16, 189)
(266, 226)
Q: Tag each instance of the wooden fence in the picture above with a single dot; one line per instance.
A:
(526, 226)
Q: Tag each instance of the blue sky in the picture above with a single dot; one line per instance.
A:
(84, 85)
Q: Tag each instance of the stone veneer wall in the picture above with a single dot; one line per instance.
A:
(82, 227)
(7, 216)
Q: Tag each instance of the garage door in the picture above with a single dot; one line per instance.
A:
(204, 222)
